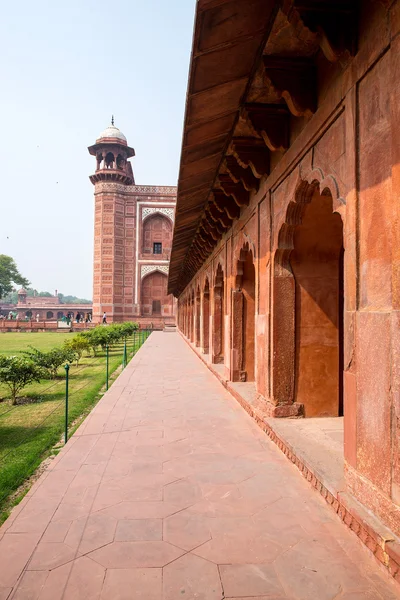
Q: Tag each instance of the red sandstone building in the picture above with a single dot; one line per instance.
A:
(44, 308)
(132, 238)
(286, 251)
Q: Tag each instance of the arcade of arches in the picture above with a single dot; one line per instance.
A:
(286, 250)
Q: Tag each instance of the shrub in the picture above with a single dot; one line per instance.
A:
(17, 372)
(50, 361)
(78, 344)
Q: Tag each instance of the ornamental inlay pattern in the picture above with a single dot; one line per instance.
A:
(111, 186)
(146, 269)
(169, 212)
(155, 189)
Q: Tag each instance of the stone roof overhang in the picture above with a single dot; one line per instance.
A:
(252, 69)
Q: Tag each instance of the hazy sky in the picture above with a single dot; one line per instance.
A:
(65, 68)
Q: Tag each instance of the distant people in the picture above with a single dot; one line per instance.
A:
(78, 317)
(37, 317)
(104, 319)
(17, 317)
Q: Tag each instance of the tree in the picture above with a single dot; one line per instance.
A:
(50, 361)
(17, 372)
(77, 345)
(9, 275)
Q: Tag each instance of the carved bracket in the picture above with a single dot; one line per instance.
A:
(335, 21)
(272, 122)
(252, 153)
(295, 80)
(236, 190)
(226, 204)
(237, 173)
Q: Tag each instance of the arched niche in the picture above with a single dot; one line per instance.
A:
(243, 318)
(157, 234)
(155, 300)
(218, 322)
(206, 316)
(307, 301)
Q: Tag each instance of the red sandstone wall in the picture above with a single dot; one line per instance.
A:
(126, 226)
(349, 152)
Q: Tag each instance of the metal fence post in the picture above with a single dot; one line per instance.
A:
(106, 366)
(134, 341)
(66, 402)
(125, 357)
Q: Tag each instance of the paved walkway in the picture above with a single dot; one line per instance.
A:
(170, 491)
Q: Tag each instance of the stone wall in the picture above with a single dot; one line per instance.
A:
(315, 322)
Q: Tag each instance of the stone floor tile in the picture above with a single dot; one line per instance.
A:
(85, 581)
(15, 551)
(184, 490)
(192, 578)
(187, 530)
(132, 584)
(251, 580)
(125, 555)
(30, 585)
(139, 530)
(309, 569)
(49, 555)
(56, 531)
(5, 593)
(240, 547)
(142, 510)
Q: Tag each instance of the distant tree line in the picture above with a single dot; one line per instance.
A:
(10, 276)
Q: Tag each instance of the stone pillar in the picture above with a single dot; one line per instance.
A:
(237, 373)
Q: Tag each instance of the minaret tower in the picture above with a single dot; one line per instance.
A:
(112, 181)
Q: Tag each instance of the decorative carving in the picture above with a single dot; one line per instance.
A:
(223, 203)
(272, 122)
(146, 211)
(334, 21)
(240, 195)
(166, 190)
(237, 173)
(146, 269)
(111, 186)
(251, 152)
(295, 80)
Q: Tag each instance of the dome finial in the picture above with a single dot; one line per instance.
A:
(112, 119)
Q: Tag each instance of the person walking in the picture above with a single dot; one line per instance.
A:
(104, 319)
(37, 317)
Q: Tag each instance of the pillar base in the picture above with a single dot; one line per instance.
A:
(285, 410)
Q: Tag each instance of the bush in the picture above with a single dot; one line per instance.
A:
(78, 344)
(17, 372)
(101, 336)
(50, 361)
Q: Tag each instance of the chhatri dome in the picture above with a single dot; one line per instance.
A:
(112, 132)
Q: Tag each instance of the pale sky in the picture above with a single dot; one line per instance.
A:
(65, 68)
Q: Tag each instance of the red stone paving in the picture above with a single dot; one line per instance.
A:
(169, 490)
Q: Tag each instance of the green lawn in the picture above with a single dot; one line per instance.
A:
(14, 343)
(29, 431)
